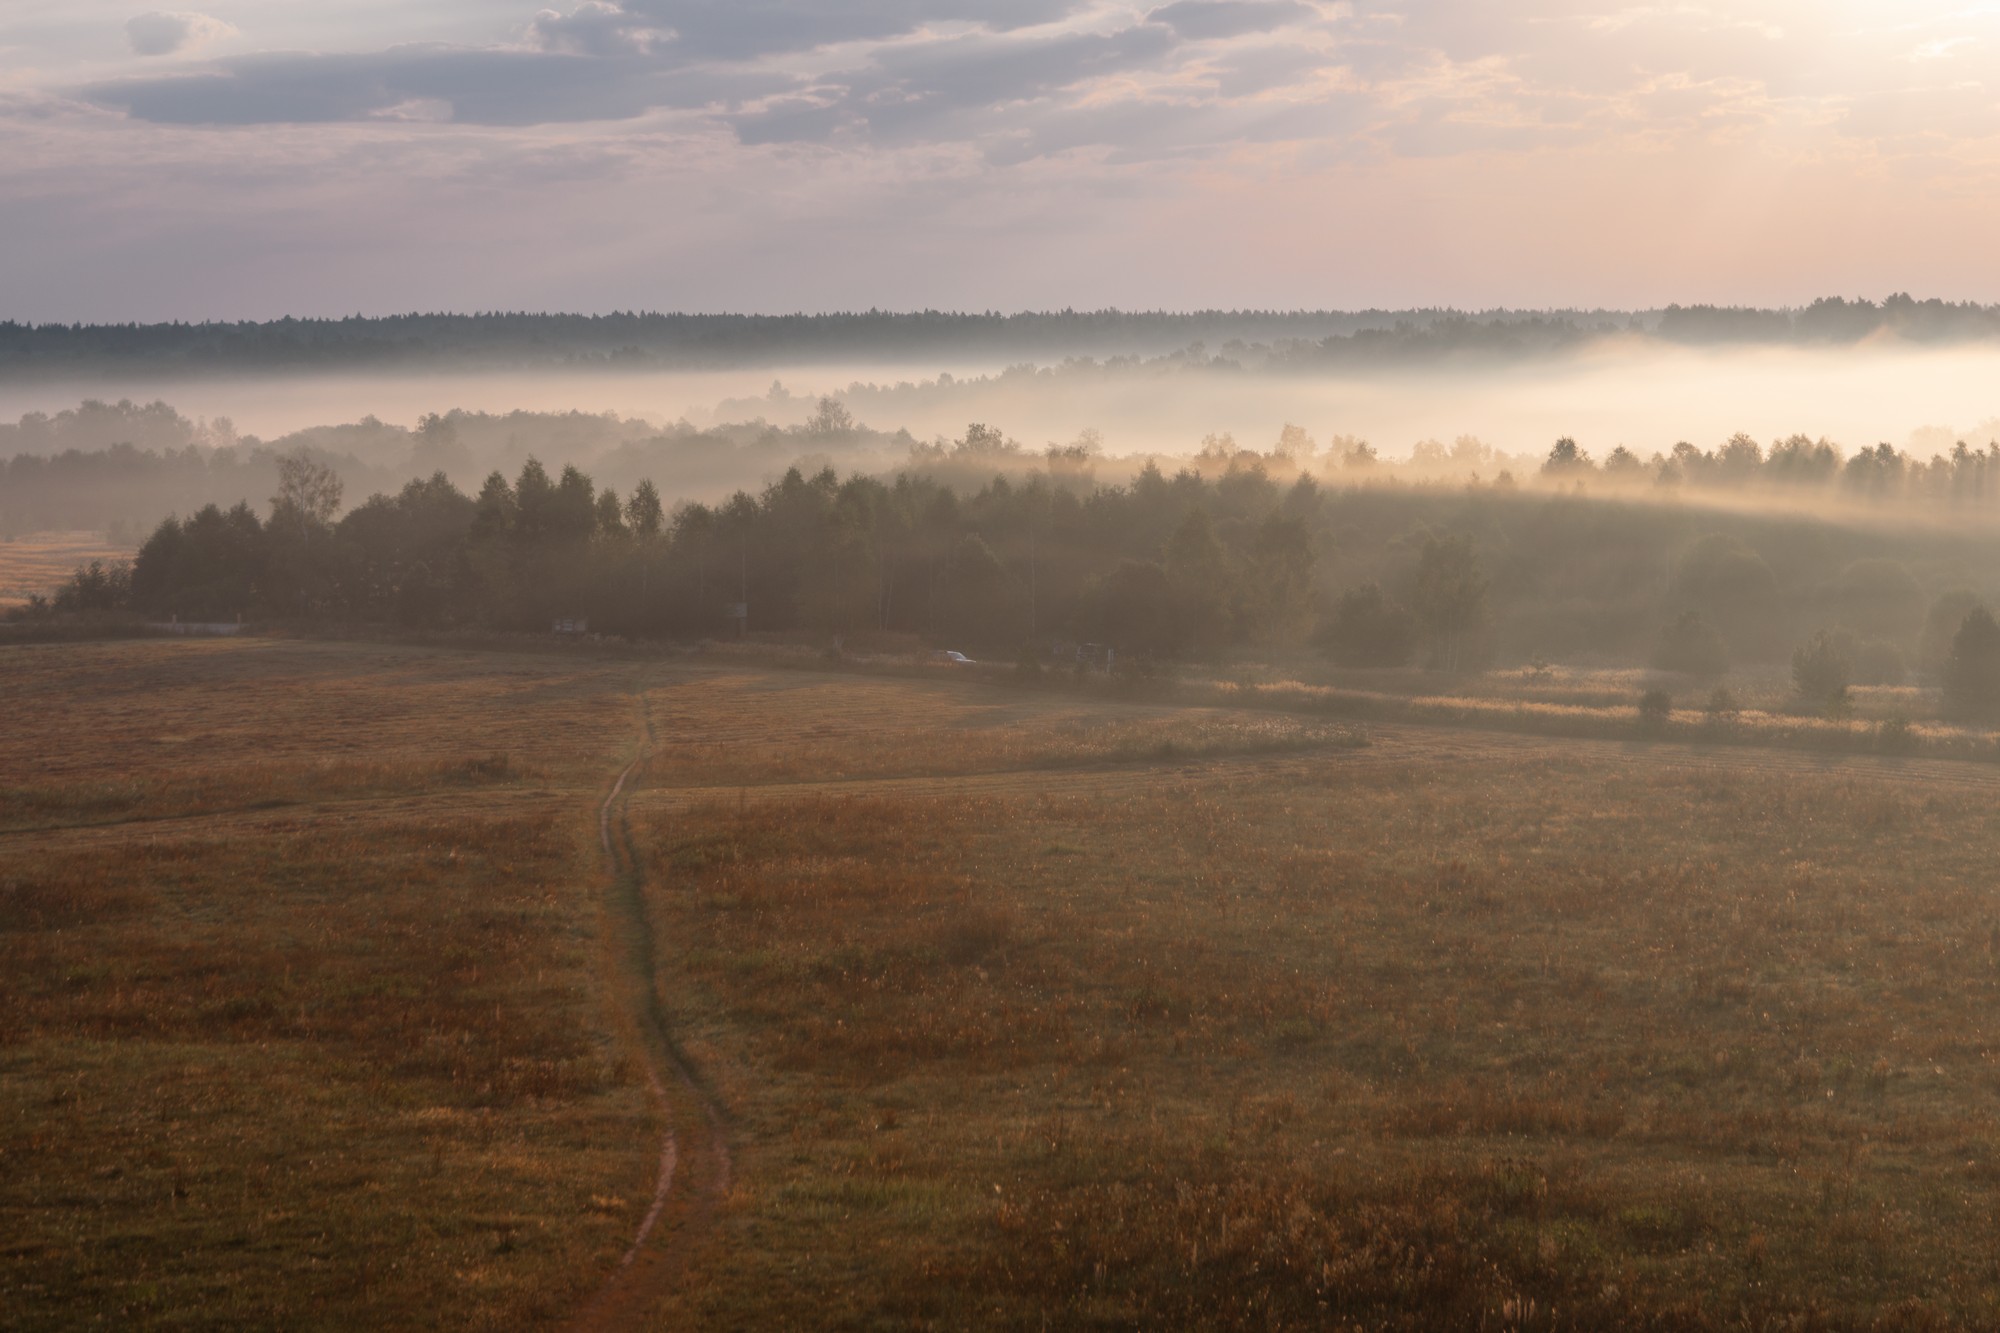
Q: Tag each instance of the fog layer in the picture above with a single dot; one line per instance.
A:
(1642, 395)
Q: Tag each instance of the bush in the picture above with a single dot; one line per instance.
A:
(1947, 613)
(95, 588)
(1692, 646)
(1722, 706)
(1821, 671)
(1894, 736)
(1972, 673)
(1655, 708)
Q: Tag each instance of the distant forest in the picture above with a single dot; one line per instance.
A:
(1278, 340)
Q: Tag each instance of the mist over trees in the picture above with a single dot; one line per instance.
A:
(985, 545)
(120, 467)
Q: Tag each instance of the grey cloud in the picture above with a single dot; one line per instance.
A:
(1202, 19)
(744, 29)
(487, 87)
(934, 89)
(1008, 86)
(161, 33)
(597, 29)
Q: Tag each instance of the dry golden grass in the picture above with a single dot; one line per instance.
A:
(741, 727)
(1027, 1009)
(296, 1058)
(1516, 1037)
(38, 562)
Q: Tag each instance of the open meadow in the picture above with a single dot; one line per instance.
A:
(1453, 1030)
(995, 1007)
(303, 1024)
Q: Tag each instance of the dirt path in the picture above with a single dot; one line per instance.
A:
(694, 1167)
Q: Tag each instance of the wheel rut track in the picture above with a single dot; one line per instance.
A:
(693, 1172)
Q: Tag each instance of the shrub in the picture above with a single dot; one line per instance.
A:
(1821, 671)
(1655, 707)
(1722, 706)
(1947, 613)
(1972, 673)
(1692, 646)
(96, 588)
(1894, 736)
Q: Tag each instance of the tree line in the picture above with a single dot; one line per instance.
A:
(1164, 566)
(1796, 465)
(643, 338)
(1234, 553)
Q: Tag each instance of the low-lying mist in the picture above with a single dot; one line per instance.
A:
(1641, 393)
(702, 435)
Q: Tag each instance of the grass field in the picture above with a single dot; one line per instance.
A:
(302, 1025)
(1446, 1031)
(38, 562)
(1020, 1009)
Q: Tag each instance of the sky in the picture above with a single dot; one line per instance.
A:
(258, 158)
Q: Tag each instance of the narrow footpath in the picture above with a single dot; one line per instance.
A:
(692, 1178)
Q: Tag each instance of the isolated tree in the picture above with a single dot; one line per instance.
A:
(1692, 646)
(1655, 708)
(1972, 672)
(1449, 601)
(1821, 671)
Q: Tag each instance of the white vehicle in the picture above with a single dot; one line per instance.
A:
(946, 657)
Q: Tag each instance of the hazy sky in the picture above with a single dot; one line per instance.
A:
(263, 157)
